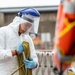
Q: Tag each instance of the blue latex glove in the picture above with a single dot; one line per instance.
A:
(20, 48)
(30, 63)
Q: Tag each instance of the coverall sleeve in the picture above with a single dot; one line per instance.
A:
(4, 53)
(33, 52)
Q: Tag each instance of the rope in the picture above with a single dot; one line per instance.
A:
(21, 67)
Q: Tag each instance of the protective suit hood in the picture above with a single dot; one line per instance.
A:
(16, 22)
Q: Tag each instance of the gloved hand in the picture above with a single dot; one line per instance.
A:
(20, 48)
(30, 63)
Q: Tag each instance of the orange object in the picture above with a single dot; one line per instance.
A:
(65, 35)
(60, 8)
(37, 41)
(72, 64)
(58, 63)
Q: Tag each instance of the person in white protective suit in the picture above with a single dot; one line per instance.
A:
(11, 37)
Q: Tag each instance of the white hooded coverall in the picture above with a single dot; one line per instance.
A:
(9, 40)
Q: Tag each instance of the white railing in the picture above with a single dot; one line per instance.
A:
(45, 63)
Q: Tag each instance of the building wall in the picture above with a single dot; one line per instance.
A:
(9, 17)
(47, 23)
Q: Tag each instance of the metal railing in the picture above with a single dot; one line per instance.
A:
(45, 63)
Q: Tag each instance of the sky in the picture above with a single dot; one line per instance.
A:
(26, 3)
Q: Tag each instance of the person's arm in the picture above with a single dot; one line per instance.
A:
(33, 52)
(32, 62)
(5, 53)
